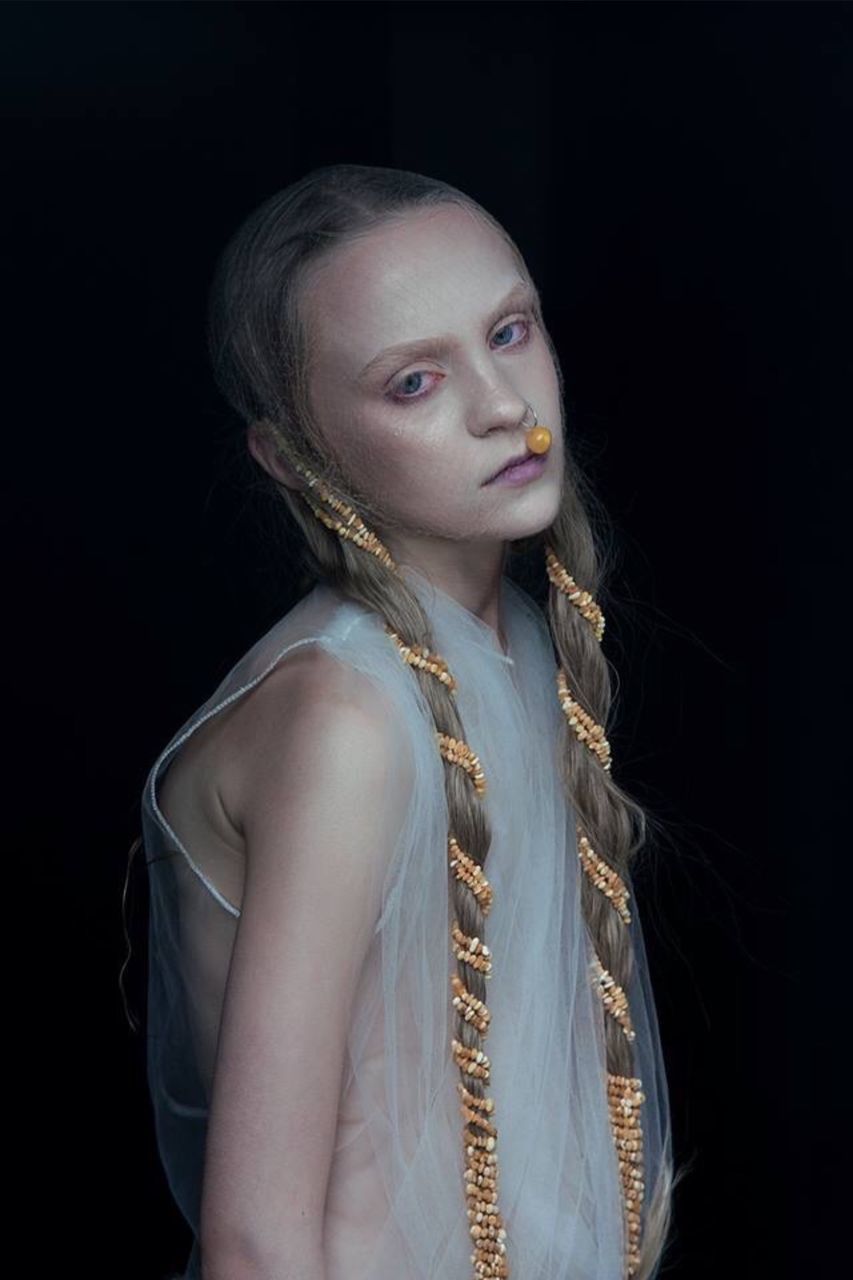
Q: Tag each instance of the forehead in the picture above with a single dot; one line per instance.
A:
(418, 275)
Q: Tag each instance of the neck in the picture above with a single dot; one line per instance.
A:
(470, 574)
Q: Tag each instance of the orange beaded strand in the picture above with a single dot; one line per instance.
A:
(470, 873)
(603, 876)
(481, 1171)
(624, 1092)
(625, 1096)
(582, 600)
(586, 729)
(420, 656)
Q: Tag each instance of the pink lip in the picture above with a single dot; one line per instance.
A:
(527, 468)
(514, 462)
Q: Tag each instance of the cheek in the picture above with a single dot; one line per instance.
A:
(414, 463)
(411, 466)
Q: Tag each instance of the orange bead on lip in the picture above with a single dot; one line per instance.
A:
(538, 439)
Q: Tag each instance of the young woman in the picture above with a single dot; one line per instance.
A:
(400, 1022)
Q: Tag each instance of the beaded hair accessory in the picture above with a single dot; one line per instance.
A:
(624, 1093)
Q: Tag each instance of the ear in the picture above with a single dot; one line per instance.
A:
(264, 448)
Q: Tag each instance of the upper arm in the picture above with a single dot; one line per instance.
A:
(321, 791)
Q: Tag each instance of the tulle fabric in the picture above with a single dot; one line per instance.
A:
(395, 1206)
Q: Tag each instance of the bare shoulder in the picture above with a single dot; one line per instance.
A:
(313, 720)
(312, 728)
(236, 741)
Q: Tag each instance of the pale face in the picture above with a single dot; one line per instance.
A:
(421, 433)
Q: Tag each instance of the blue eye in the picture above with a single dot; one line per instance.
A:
(403, 384)
(394, 390)
(509, 326)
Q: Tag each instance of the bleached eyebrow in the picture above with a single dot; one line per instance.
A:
(520, 294)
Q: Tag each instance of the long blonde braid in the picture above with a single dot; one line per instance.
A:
(474, 964)
(624, 1092)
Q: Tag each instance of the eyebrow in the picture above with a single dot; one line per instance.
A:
(522, 292)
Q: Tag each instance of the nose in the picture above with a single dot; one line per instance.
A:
(497, 406)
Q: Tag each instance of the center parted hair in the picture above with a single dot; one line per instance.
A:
(260, 349)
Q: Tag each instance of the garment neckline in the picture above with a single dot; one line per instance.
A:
(429, 592)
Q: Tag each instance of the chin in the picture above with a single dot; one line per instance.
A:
(533, 517)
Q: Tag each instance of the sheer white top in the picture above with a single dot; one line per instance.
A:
(395, 1200)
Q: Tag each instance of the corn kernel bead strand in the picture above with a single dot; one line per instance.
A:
(351, 528)
(455, 751)
(625, 1096)
(486, 1224)
(487, 1227)
(489, 1257)
(471, 950)
(603, 876)
(481, 1170)
(475, 1106)
(419, 656)
(613, 997)
(583, 601)
(468, 1006)
(586, 728)
(473, 1062)
(470, 873)
(624, 1092)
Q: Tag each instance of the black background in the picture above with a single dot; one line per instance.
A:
(675, 176)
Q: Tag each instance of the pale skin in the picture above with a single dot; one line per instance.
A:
(422, 434)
